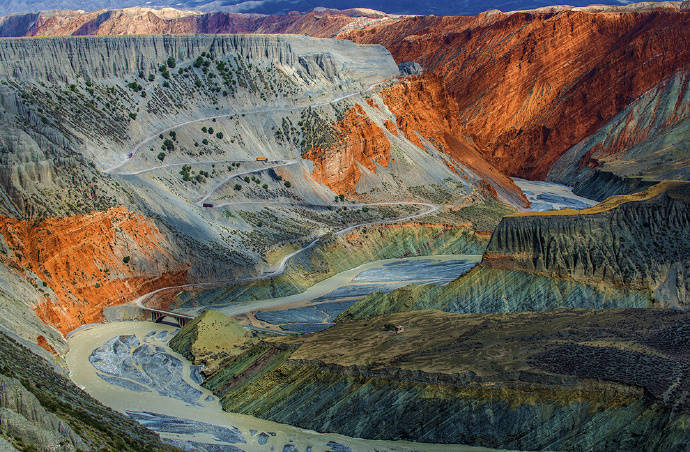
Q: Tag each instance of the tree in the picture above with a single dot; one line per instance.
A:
(238, 187)
(288, 184)
(219, 135)
(125, 259)
(204, 141)
(210, 130)
(265, 186)
(151, 77)
(171, 62)
(246, 178)
(161, 156)
(204, 129)
(342, 197)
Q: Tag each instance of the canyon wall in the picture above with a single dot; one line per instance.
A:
(84, 264)
(646, 142)
(61, 59)
(530, 85)
(637, 242)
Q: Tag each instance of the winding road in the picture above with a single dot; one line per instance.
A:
(280, 268)
(140, 144)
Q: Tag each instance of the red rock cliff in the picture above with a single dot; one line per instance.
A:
(90, 262)
(358, 141)
(423, 107)
(531, 85)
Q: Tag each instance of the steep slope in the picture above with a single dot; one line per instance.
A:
(87, 263)
(531, 85)
(425, 111)
(612, 380)
(647, 141)
(629, 251)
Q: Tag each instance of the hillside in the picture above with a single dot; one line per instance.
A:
(575, 379)
(629, 251)
(531, 85)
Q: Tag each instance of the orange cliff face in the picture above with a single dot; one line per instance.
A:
(423, 107)
(358, 142)
(90, 262)
(531, 85)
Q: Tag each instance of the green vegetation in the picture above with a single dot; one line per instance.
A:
(161, 156)
(126, 259)
(184, 172)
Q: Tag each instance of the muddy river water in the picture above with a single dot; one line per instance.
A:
(129, 367)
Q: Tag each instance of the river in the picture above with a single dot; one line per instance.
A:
(129, 367)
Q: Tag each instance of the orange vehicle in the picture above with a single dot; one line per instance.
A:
(261, 159)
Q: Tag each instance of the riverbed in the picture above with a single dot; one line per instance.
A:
(544, 195)
(118, 364)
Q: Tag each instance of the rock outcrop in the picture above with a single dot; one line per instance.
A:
(84, 264)
(638, 242)
(357, 141)
(530, 85)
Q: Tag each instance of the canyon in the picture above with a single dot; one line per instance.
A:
(436, 231)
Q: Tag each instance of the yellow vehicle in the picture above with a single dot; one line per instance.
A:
(261, 159)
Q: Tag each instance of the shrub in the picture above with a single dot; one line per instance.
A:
(237, 187)
(246, 178)
(204, 141)
(161, 156)
(265, 186)
(125, 259)
(166, 84)
(151, 77)
(133, 116)
(288, 184)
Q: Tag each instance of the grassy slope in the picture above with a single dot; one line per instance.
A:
(210, 338)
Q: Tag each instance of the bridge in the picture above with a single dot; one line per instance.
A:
(157, 316)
